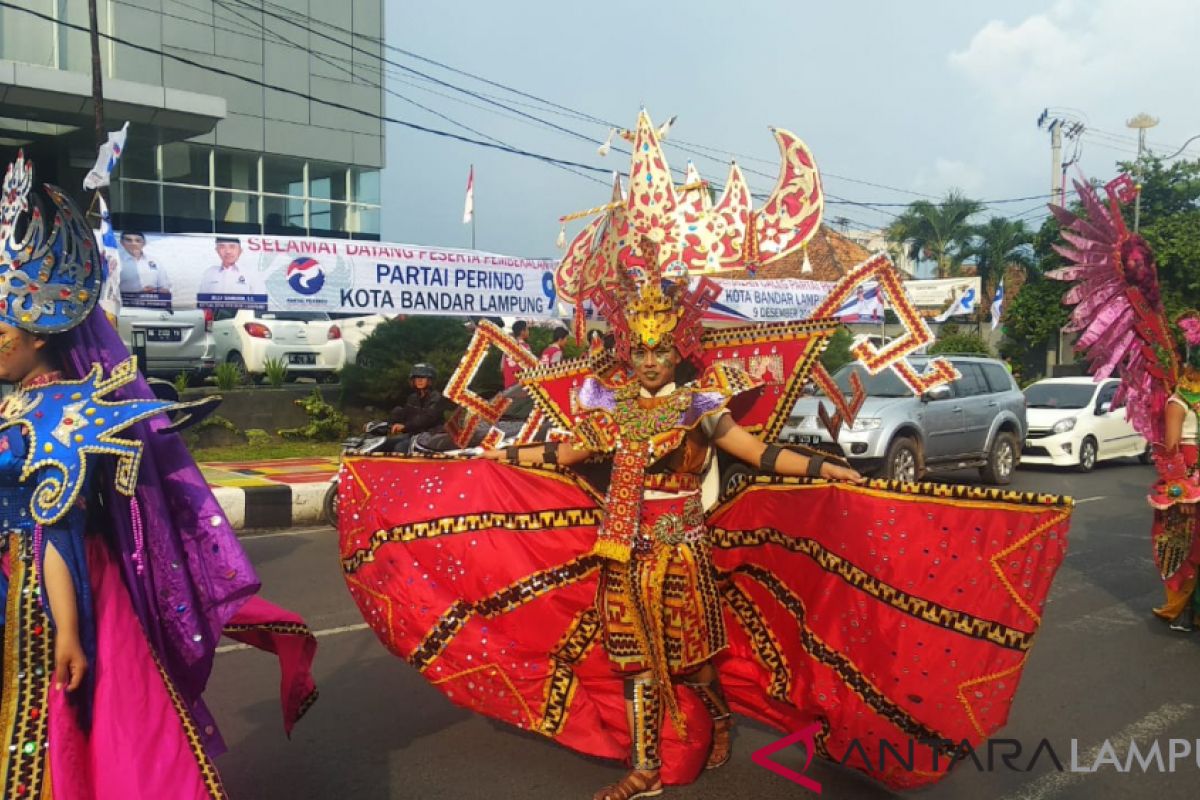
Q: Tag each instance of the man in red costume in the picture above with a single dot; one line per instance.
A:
(660, 436)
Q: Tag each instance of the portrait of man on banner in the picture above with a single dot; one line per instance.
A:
(144, 281)
(229, 284)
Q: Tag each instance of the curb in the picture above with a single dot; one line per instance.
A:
(280, 505)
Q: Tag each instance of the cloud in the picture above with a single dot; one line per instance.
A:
(1087, 55)
(947, 174)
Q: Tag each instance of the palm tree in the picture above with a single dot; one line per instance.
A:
(938, 232)
(997, 245)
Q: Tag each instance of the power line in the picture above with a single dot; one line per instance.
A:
(310, 98)
(320, 56)
(494, 144)
(292, 16)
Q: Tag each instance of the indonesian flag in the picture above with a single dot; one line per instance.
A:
(469, 206)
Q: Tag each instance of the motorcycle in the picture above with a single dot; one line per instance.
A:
(372, 440)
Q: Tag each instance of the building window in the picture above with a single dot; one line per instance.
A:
(327, 219)
(184, 162)
(366, 186)
(283, 176)
(186, 210)
(236, 170)
(237, 212)
(139, 159)
(207, 190)
(284, 216)
(136, 206)
(364, 221)
(327, 181)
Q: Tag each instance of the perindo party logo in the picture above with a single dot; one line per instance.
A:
(304, 275)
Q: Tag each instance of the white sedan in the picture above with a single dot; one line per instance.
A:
(1072, 423)
(309, 343)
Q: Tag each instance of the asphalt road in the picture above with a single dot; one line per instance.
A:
(1102, 669)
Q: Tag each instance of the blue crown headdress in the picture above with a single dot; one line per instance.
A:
(49, 279)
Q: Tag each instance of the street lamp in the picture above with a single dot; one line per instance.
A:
(1181, 149)
(1141, 123)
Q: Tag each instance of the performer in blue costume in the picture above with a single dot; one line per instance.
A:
(119, 571)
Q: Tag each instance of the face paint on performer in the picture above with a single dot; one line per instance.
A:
(21, 354)
(654, 366)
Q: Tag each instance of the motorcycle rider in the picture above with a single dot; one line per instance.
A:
(424, 409)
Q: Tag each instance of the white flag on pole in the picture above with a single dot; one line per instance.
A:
(106, 159)
(110, 291)
(964, 302)
(469, 207)
(998, 305)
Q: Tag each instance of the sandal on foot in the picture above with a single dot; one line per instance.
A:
(722, 748)
(631, 787)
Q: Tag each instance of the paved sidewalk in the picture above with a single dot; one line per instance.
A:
(271, 494)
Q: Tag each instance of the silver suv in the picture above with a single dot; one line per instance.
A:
(976, 421)
(176, 341)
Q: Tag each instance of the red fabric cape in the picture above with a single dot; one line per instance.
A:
(881, 612)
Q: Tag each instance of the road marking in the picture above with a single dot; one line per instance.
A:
(1090, 499)
(229, 648)
(1148, 727)
(288, 532)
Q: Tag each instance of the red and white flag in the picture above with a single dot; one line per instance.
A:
(469, 207)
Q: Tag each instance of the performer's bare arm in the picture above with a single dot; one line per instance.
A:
(1174, 426)
(70, 663)
(565, 454)
(741, 444)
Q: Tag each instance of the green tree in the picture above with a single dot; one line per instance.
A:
(380, 376)
(1034, 315)
(996, 245)
(837, 352)
(960, 343)
(938, 232)
(1171, 226)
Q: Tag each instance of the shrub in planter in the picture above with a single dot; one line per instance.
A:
(257, 437)
(214, 431)
(275, 370)
(325, 422)
(229, 376)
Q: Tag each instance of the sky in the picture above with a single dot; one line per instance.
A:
(917, 98)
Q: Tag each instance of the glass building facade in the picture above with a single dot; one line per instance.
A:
(184, 187)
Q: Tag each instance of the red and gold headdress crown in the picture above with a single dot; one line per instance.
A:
(658, 230)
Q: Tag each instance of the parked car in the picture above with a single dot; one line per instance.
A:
(976, 421)
(308, 342)
(355, 329)
(1072, 423)
(176, 341)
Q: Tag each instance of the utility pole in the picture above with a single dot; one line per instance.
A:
(1059, 126)
(1056, 158)
(1054, 125)
(1142, 122)
(97, 76)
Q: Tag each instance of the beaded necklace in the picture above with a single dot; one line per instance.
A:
(638, 424)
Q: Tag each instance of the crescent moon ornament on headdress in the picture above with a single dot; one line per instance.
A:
(50, 278)
(658, 231)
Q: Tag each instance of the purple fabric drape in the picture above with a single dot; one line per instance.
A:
(195, 574)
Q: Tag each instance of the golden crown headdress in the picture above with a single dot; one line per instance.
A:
(659, 230)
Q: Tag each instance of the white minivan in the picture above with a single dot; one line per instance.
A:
(1072, 423)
